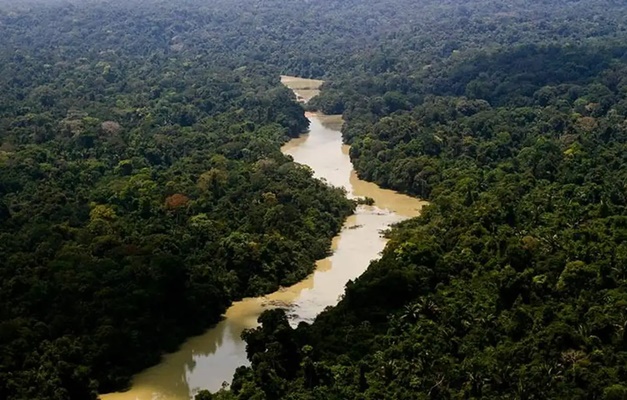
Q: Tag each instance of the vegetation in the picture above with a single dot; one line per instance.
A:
(137, 200)
(511, 284)
(140, 177)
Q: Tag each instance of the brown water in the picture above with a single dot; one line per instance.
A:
(206, 361)
(304, 89)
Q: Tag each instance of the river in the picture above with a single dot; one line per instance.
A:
(206, 361)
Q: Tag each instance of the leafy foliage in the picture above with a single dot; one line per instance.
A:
(140, 176)
(138, 198)
(510, 284)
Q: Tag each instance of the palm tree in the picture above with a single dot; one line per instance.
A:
(422, 308)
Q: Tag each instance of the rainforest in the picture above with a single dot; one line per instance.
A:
(143, 190)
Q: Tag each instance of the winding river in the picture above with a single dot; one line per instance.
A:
(206, 361)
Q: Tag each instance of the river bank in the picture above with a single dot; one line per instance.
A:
(208, 360)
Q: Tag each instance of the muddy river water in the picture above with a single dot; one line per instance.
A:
(206, 361)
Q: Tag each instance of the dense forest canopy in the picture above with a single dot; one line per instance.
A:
(140, 175)
(141, 191)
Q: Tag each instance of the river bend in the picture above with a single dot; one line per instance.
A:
(208, 360)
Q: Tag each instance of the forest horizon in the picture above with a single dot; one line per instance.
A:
(143, 190)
